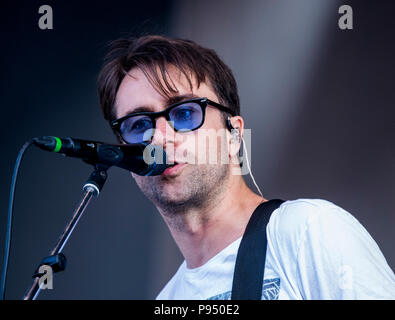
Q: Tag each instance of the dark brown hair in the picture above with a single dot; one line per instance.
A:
(153, 55)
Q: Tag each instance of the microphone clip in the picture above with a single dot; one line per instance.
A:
(97, 179)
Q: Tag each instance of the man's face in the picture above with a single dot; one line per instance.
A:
(195, 181)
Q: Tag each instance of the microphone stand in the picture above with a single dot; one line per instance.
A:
(56, 260)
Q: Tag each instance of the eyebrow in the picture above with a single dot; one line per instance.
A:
(170, 101)
(176, 99)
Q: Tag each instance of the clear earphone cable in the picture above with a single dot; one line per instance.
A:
(249, 167)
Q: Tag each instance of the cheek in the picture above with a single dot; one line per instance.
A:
(185, 147)
(222, 150)
(205, 147)
(214, 139)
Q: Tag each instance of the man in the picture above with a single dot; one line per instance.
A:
(168, 92)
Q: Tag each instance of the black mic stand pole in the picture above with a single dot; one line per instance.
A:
(56, 260)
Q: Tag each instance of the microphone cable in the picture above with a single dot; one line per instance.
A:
(9, 218)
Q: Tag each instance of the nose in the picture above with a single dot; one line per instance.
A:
(163, 133)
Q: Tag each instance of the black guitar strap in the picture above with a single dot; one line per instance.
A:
(251, 256)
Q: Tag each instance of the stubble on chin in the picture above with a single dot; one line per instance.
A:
(196, 188)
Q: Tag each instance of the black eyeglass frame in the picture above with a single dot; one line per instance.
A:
(202, 102)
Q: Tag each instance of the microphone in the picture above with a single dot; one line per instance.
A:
(140, 158)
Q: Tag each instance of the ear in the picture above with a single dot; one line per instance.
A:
(236, 127)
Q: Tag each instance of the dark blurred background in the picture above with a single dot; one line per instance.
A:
(319, 100)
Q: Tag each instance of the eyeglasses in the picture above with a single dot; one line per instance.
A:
(183, 116)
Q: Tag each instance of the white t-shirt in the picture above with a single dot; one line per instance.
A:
(316, 250)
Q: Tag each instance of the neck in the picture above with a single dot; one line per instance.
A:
(202, 232)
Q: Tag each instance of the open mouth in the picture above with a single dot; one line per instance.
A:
(173, 168)
(172, 165)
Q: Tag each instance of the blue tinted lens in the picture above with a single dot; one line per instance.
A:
(187, 116)
(137, 129)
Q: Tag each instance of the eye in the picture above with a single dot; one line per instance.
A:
(141, 124)
(183, 113)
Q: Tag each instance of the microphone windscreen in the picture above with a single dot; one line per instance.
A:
(156, 160)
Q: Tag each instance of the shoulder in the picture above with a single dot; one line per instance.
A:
(327, 253)
(298, 214)
(303, 212)
(304, 209)
(316, 225)
(296, 220)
